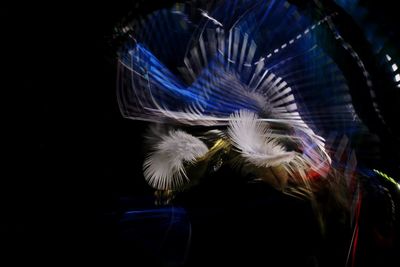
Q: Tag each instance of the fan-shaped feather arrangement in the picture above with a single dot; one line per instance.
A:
(260, 71)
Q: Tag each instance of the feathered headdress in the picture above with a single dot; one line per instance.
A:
(242, 86)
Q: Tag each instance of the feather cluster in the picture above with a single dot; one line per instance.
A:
(164, 168)
(252, 138)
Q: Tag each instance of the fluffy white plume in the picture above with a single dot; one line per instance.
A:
(252, 138)
(164, 167)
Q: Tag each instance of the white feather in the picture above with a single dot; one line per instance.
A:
(164, 167)
(252, 138)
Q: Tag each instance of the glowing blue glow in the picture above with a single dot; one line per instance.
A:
(165, 212)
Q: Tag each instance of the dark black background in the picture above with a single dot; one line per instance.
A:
(69, 157)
